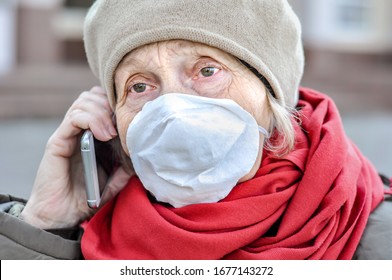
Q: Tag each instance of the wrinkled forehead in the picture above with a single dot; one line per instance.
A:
(144, 55)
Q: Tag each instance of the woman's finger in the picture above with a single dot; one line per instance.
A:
(90, 111)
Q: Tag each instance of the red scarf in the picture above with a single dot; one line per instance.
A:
(312, 204)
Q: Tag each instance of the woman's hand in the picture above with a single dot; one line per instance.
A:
(58, 197)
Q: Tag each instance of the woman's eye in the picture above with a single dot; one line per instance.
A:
(139, 88)
(208, 71)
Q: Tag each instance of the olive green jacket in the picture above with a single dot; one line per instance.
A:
(21, 241)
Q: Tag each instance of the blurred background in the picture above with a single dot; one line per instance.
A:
(43, 68)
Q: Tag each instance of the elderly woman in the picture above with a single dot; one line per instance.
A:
(222, 156)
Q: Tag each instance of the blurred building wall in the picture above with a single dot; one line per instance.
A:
(44, 67)
(36, 38)
(363, 26)
(7, 35)
(50, 31)
(348, 48)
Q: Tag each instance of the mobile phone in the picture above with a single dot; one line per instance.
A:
(87, 148)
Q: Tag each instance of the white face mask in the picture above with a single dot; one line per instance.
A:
(189, 149)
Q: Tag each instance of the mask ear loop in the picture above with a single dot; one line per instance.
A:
(264, 132)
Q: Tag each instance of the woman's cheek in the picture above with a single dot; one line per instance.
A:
(123, 121)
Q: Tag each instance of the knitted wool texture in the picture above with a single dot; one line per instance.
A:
(264, 33)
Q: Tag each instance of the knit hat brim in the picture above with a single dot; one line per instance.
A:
(266, 34)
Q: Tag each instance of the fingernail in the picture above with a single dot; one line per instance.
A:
(108, 135)
(112, 131)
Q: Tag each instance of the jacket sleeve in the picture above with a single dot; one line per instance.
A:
(376, 241)
(19, 240)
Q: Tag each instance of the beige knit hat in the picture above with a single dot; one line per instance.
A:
(265, 34)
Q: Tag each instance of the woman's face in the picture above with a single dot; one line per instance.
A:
(189, 68)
